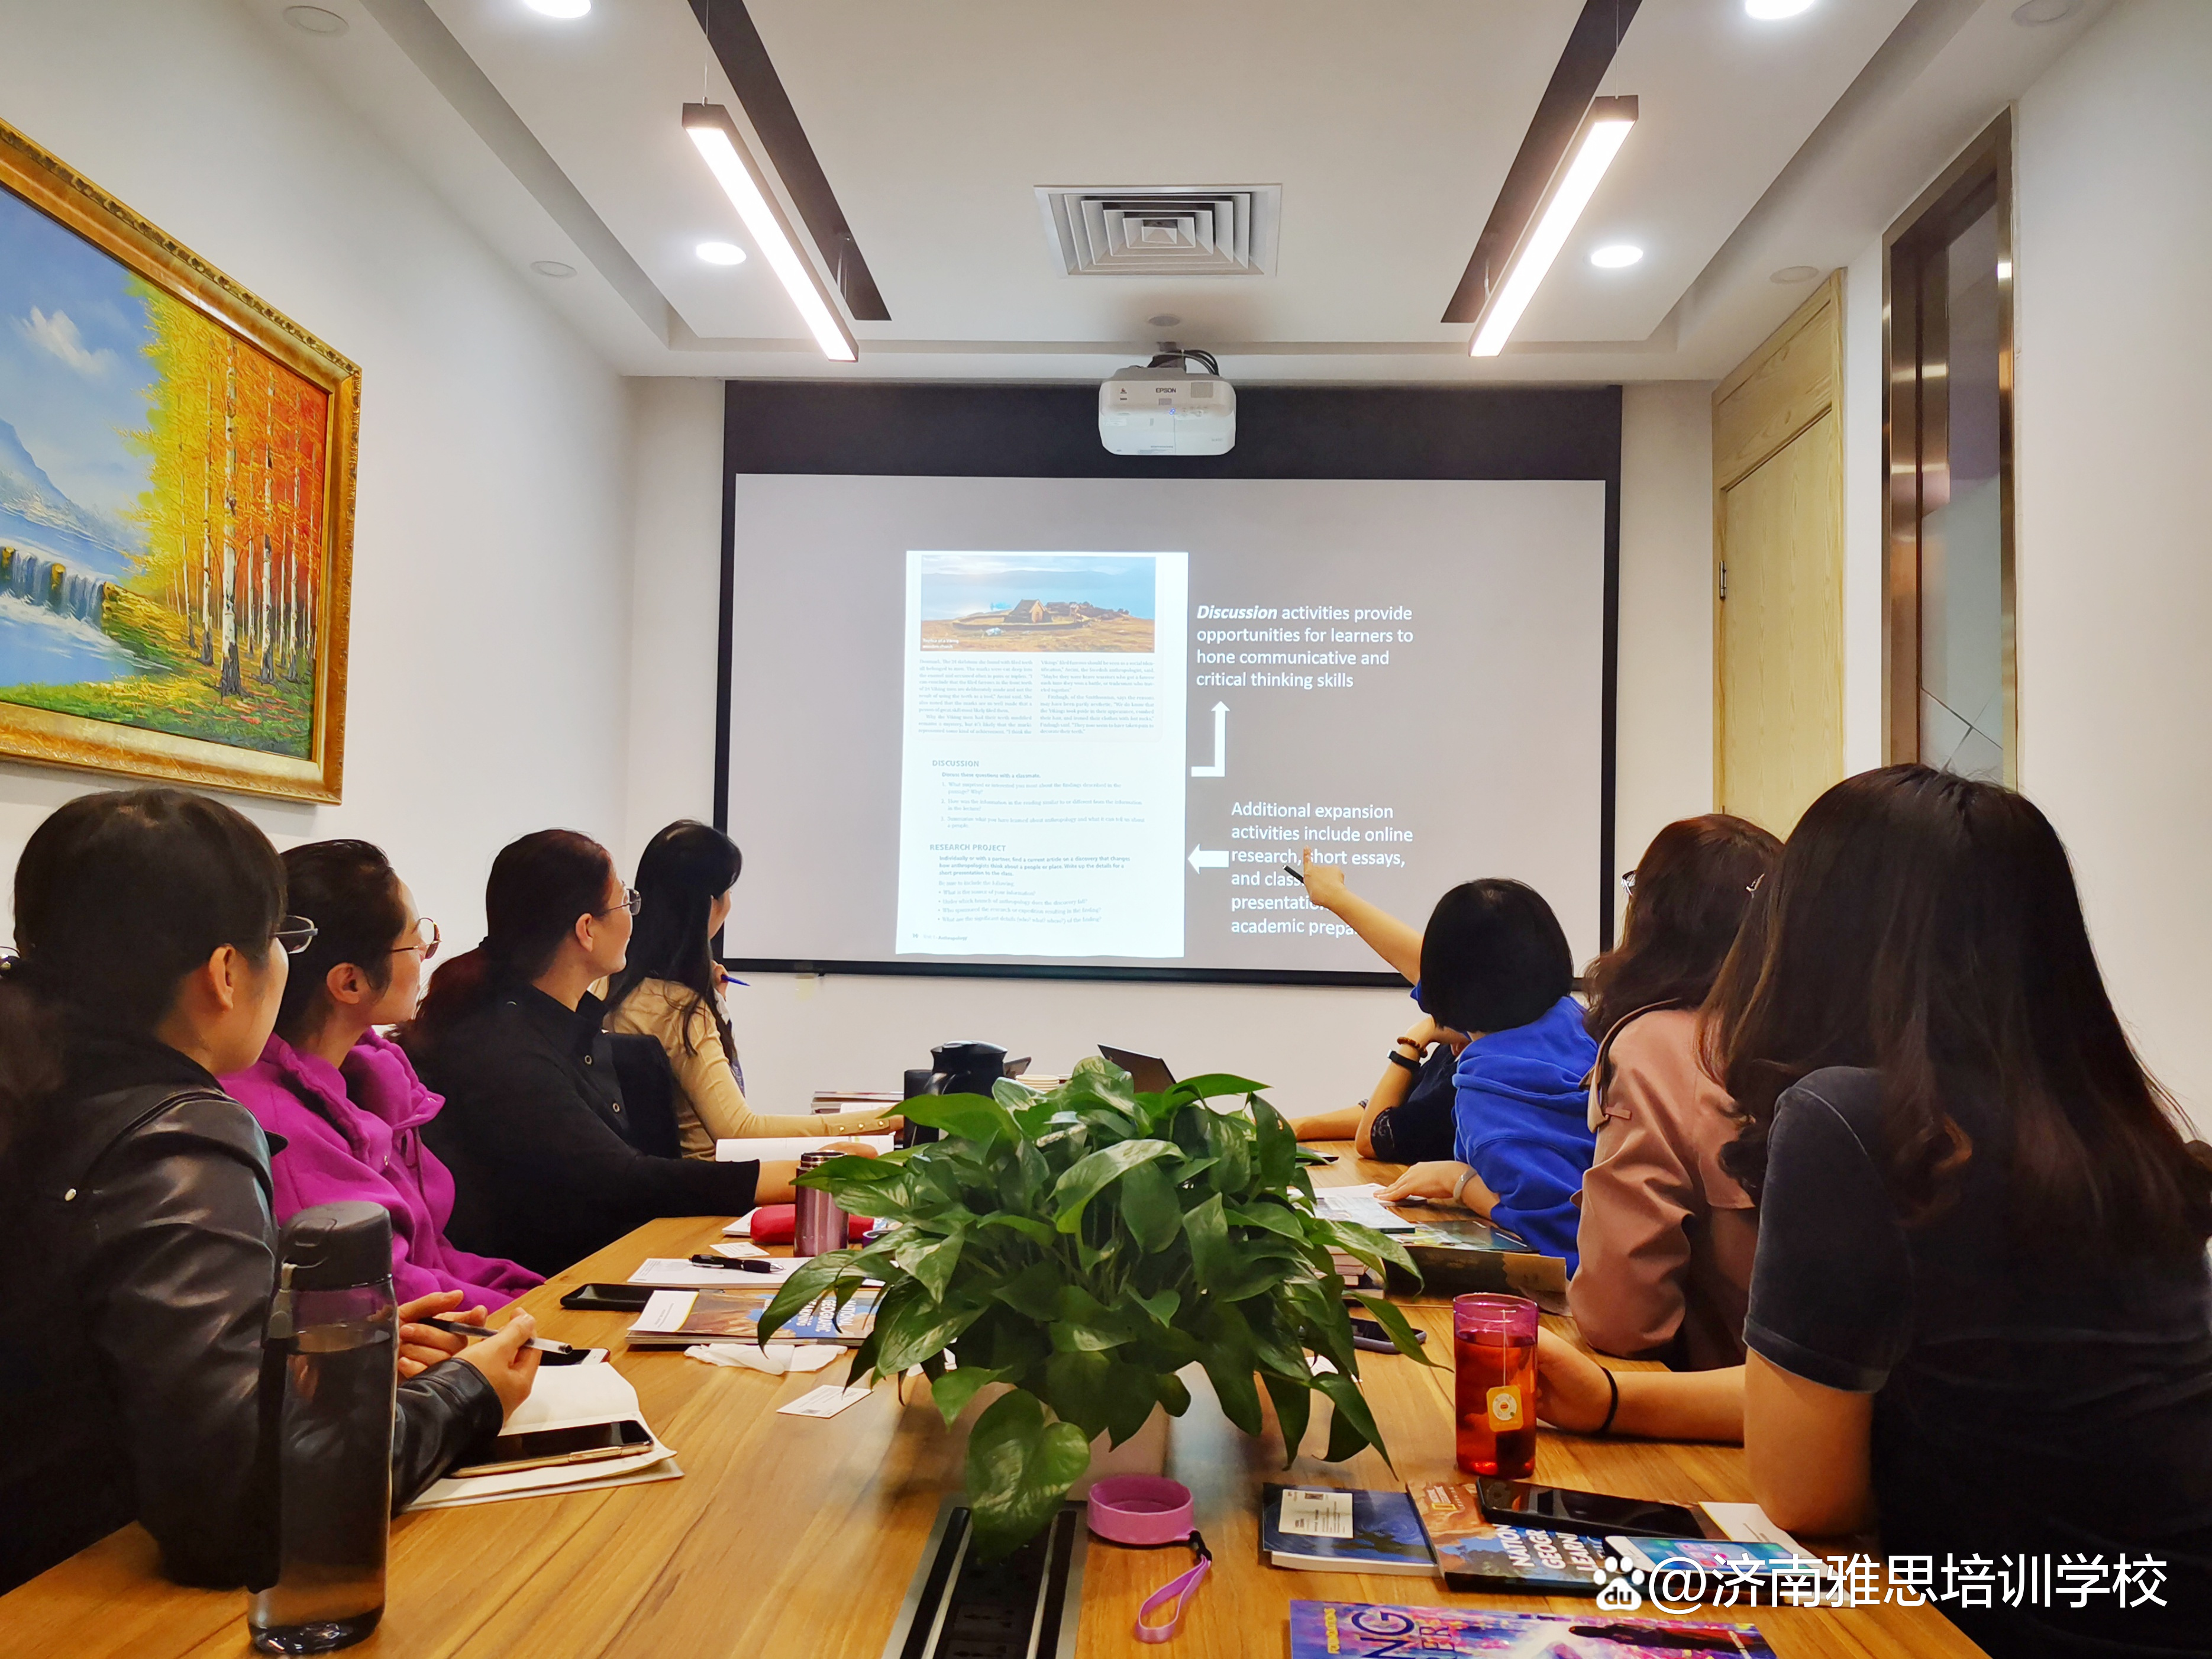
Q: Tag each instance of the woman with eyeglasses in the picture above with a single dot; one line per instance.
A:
(548, 1164)
(137, 1257)
(341, 1097)
(1667, 1236)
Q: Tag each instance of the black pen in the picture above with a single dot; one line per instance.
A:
(750, 1267)
(454, 1326)
(1293, 870)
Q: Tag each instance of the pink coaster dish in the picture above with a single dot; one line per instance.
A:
(1143, 1510)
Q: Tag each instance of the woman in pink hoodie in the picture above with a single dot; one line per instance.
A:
(340, 1102)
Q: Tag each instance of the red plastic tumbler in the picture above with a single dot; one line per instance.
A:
(1494, 1362)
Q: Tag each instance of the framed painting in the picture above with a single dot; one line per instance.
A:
(176, 505)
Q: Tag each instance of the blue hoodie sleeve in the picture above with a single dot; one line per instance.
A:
(1535, 1184)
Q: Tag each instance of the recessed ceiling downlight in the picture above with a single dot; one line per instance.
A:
(721, 253)
(1766, 11)
(553, 268)
(1616, 255)
(559, 8)
(1795, 274)
(2036, 13)
(313, 20)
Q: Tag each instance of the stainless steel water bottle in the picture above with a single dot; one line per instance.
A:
(819, 1225)
(329, 1388)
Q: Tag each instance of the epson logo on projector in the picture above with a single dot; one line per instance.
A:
(1167, 411)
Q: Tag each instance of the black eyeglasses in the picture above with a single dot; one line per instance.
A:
(295, 934)
(632, 901)
(425, 940)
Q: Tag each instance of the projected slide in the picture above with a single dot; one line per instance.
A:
(1070, 722)
(1042, 769)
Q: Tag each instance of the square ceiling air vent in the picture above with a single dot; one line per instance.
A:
(1171, 231)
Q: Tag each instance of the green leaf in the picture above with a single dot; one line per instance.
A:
(1275, 1218)
(1369, 1248)
(1161, 1304)
(1149, 1207)
(930, 1260)
(908, 1329)
(1019, 1468)
(1229, 1139)
(955, 1388)
(1173, 1395)
(1076, 1388)
(1395, 1325)
(803, 1289)
(1035, 1232)
(1274, 1143)
(1351, 1425)
(1035, 1291)
(972, 1117)
(1293, 1410)
(1211, 1256)
(1091, 1174)
(1131, 1393)
(1212, 1086)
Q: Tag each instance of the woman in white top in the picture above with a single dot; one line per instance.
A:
(672, 989)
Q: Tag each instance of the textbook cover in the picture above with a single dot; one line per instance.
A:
(1322, 1529)
(677, 1319)
(1473, 1554)
(1460, 1255)
(1359, 1630)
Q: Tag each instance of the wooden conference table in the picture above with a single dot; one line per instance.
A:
(797, 1537)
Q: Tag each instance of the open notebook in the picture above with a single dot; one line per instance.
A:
(563, 1397)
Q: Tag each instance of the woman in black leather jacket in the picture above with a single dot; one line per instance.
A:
(136, 1250)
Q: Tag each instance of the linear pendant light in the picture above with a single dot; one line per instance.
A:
(1603, 131)
(734, 169)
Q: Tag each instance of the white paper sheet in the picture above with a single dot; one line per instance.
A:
(825, 1401)
(776, 1359)
(673, 1272)
(789, 1146)
(1359, 1205)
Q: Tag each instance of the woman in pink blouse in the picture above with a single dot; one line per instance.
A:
(1666, 1235)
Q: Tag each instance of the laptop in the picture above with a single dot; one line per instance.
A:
(1151, 1075)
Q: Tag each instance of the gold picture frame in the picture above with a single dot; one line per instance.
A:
(234, 680)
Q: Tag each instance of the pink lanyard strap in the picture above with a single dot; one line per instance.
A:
(1176, 1590)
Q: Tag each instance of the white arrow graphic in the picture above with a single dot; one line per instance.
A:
(1202, 860)
(1220, 745)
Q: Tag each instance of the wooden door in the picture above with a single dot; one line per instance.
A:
(1779, 570)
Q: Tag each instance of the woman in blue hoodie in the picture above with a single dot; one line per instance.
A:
(1494, 964)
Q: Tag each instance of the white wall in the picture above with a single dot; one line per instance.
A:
(490, 629)
(1663, 765)
(2114, 563)
(1318, 1047)
(2113, 364)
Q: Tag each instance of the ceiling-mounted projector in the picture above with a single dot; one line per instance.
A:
(1167, 409)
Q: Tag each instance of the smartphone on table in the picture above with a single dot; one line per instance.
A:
(543, 1448)
(1369, 1334)
(1596, 1513)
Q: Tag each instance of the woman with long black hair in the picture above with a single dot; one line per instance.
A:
(137, 1258)
(1980, 1315)
(670, 990)
(536, 1129)
(1667, 1235)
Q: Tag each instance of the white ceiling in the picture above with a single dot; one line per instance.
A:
(1388, 125)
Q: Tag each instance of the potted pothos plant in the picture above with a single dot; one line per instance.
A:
(1082, 1247)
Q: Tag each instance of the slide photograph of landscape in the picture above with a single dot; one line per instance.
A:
(1037, 602)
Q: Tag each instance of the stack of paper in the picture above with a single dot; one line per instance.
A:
(1359, 1205)
(563, 1397)
(790, 1146)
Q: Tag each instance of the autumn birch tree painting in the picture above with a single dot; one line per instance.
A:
(172, 455)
